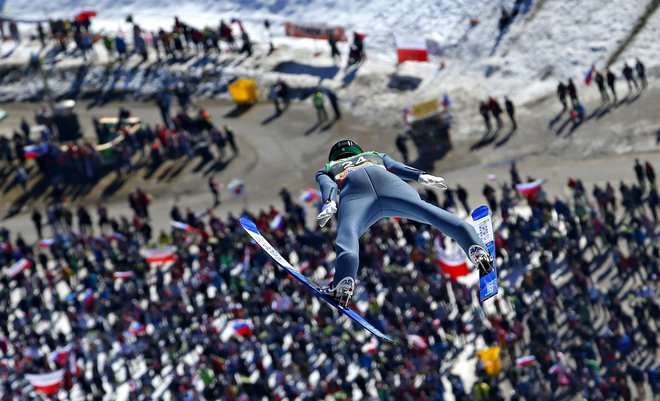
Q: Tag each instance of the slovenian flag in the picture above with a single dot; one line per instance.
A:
(137, 328)
(46, 383)
(525, 360)
(180, 225)
(89, 299)
(590, 75)
(123, 275)
(454, 264)
(34, 151)
(18, 267)
(46, 243)
(60, 355)
(159, 255)
(445, 101)
(528, 188)
(242, 327)
(278, 221)
(310, 195)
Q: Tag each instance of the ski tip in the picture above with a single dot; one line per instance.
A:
(480, 212)
(248, 224)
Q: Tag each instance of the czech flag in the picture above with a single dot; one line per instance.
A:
(242, 327)
(89, 299)
(123, 275)
(34, 151)
(445, 101)
(159, 255)
(590, 75)
(18, 267)
(278, 221)
(180, 225)
(525, 361)
(454, 264)
(528, 188)
(137, 328)
(310, 195)
(60, 355)
(417, 342)
(371, 347)
(47, 383)
(411, 49)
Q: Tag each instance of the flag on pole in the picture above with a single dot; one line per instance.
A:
(46, 383)
(411, 49)
(180, 225)
(18, 267)
(590, 75)
(528, 188)
(310, 195)
(454, 264)
(159, 255)
(123, 275)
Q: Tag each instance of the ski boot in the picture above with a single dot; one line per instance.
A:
(341, 294)
(482, 260)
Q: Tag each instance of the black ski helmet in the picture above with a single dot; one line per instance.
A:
(344, 148)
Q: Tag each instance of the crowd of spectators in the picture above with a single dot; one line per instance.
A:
(586, 308)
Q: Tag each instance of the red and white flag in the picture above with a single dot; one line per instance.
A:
(47, 383)
(159, 255)
(123, 275)
(417, 342)
(454, 263)
(371, 347)
(18, 267)
(525, 360)
(411, 49)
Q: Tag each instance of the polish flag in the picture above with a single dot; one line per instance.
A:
(123, 275)
(47, 383)
(454, 264)
(411, 49)
(180, 225)
(310, 195)
(371, 347)
(528, 188)
(60, 355)
(18, 267)
(417, 342)
(525, 360)
(159, 255)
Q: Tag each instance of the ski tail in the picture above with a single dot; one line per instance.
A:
(483, 224)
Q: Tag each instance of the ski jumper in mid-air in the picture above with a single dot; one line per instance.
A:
(363, 187)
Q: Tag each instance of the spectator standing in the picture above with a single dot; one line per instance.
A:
(639, 173)
(334, 102)
(630, 78)
(510, 110)
(319, 104)
(641, 73)
(496, 110)
(572, 92)
(561, 94)
(650, 173)
(334, 51)
(214, 186)
(483, 110)
(462, 195)
(231, 139)
(38, 224)
(611, 81)
(600, 81)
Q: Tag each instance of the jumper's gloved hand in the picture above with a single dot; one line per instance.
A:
(329, 208)
(432, 181)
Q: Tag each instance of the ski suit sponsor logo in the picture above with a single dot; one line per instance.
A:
(340, 169)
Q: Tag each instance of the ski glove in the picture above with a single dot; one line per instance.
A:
(432, 181)
(329, 208)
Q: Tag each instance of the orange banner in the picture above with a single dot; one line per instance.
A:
(314, 31)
